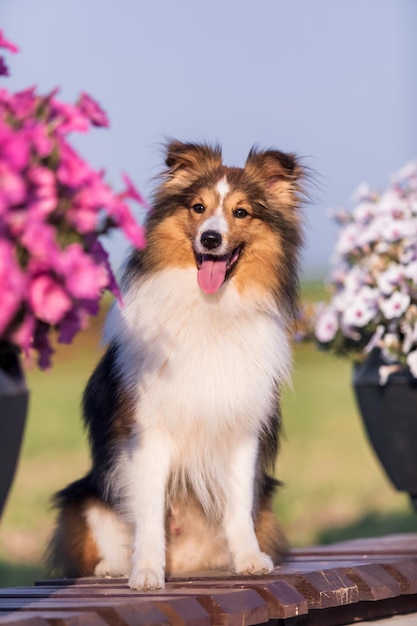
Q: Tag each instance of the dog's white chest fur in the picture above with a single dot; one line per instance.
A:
(197, 361)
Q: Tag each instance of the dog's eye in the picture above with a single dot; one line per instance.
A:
(199, 208)
(240, 213)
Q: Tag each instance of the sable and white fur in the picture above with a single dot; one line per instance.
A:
(183, 409)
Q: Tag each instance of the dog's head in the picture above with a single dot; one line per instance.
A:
(228, 222)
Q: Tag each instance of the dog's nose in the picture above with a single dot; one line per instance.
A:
(211, 239)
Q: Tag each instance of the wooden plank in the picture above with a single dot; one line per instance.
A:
(69, 618)
(388, 544)
(356, 613)
(94, 613)
(72, 604)
(133, 615)
(16, 619)
(78, 582)
(184, 611)
(325, 588)
(373, 582)
(405, 573)
(241, 607)
(282, 599)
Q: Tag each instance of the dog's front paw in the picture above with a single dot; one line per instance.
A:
(257, 563)
(147, 578)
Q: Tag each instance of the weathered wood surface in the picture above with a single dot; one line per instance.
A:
(347, 581)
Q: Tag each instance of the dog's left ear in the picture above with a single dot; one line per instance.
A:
(279, 174)
(188, 161)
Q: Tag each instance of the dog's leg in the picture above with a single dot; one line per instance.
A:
(238, 520)
(150, 471)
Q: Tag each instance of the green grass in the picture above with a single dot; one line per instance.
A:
(334, 487)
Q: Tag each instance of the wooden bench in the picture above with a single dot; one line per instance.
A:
(320, 585)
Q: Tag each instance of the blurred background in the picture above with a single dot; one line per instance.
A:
(334, 82)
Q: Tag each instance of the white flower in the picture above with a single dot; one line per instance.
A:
(395, 305)
(392, 204)
(369, 295)
(327, 325)
(390, 279)
(409, 253)
(412, 363)
(348, 239)
(354, 280)
(374, 277)
(395, 229)
(363, 192)
(407, 173)
(411, 272)
(364, 211)
(359, 313)
(410, 336)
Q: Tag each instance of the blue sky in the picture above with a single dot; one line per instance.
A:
(333, 81)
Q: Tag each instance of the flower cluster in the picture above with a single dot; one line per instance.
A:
(374, 282)
(53, 208)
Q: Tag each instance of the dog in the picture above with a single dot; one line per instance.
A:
(183, 410)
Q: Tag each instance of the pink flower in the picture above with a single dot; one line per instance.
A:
(53, 207)
(43, 197)
(96, 194)
(68, 118)
(39, 139)
(84, 213)
(99, 254)
(131, 191)
(12, 285)
(84, 219)
(48, 299)
(12, 187)
(92, 110)
(121, 214)
(72, 170)
(23, 103)
(8, 45)
(4, 70)
(23, 335)
(40, 240)
(14, 147)
(83, 277)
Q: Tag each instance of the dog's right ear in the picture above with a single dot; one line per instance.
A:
(188, 161)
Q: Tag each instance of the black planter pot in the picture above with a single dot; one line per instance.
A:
(389, 413)
(13, 411)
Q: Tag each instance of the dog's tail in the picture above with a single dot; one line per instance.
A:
(268, 530)
(72, 551)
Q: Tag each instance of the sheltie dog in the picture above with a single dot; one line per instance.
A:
(183, 409)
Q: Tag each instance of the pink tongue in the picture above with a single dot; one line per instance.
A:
(211, 275)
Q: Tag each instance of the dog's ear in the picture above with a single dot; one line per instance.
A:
(279, 174)
(188, 161)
